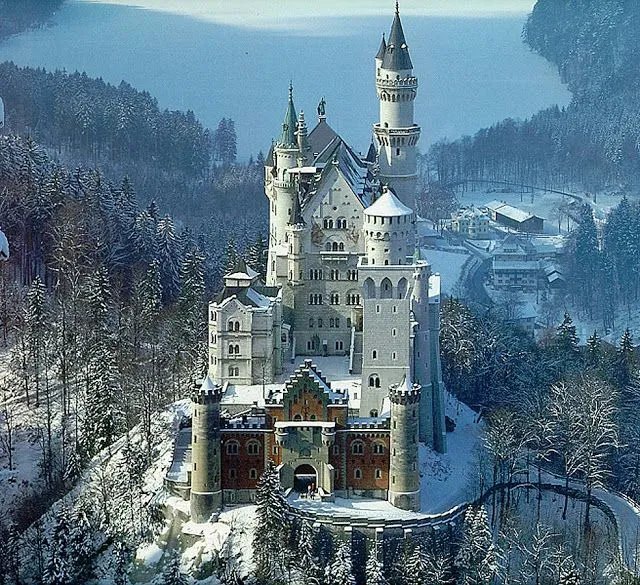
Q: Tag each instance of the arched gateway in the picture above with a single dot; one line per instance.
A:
(304, 476)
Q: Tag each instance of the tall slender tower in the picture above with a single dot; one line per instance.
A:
(396, 133)
(404, 475)
(206, 490)
(280, 186)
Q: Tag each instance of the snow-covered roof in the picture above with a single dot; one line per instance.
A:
(388, 205)
(509, 211)
(304, 423)
(515, 265)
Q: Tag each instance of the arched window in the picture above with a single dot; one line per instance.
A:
(369, 288)
(378, 473)
(334, 246)
(374, 381)
(231, 348)
(334, 298)
(357, 448)
(373, 414)
(341, 223)
(233, 448)
(320, 322)
(378, 448)
(253, 448)
(327, 223)
(374, 354)
(357, 474)
(253, 474)
(336, 449)
(297, 417)
(236, 349)
(386, 289)
(341, 246)
(311, 322)
(402, 288)
(327, 246)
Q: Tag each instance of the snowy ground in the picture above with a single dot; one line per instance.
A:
(448, 264)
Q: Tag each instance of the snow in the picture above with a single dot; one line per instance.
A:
(4, 243)
(448, 264)
(305, 423)
(388, 205)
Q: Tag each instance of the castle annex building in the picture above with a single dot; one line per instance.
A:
(331, 368)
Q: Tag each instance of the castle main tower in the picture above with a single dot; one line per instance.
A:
(404, 475)
(206, 490)
(280, 187)
(396, 133)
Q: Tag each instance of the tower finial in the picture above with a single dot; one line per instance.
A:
(397, 7)
(290, 89)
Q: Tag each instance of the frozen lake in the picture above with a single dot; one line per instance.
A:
(474, 70)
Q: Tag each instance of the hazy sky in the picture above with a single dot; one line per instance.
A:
(299, 14)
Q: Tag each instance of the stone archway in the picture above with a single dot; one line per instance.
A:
(303, 477)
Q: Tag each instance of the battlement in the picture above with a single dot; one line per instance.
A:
(404, 393)
(206, 392)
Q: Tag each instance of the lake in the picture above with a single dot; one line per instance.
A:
(473, 70)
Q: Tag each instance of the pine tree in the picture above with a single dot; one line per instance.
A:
(476, 558)
(374, 570)
(37, 325)
(340, 571)
(257, 257)
(272, 527)
(624, 359)
(121, 563)
(168, 260)
(171, 574)
(594, 351)
(307, 562)
(230, 256)
(566, 333)
(417, 565)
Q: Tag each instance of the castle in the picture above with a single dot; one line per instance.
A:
(345, 294)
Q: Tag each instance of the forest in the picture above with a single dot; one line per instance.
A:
(19, 15)
(592, 144)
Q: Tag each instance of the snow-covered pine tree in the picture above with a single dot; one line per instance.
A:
(171, 574)
(624, 362)
(257, 256)
(121, 563)
(476, 558)
(272, 530)
(230, 256)
(374, 569)
(594, 350)
(168, 256)
(417, 565)
(37, 322)
(566, 333)
(307, 561)
(340, 570)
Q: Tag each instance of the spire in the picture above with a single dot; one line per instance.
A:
(301, 134)
(288, 135)
(396, 57)
(383, 48)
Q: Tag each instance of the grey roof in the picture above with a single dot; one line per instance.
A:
(320, 137)
(372, 153)
(396, 56)
(288, 134)
(382, 49)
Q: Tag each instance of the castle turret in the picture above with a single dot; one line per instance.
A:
(388, 225)
(303, 141)
(404, 475)
(206, 491)
(296, 232)
(281, 188)
(396, 133)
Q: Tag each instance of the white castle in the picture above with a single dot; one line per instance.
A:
(343, 283)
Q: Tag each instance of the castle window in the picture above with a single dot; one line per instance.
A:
(374, 414)
(357, 474)
(348, 322)
(397, 152)
(332, 322)
(337, 322)
(341, 223)
(327, 223)
(339, 346)
(234, 371)
(195, 466)
(311, 345)
(374, 354)
(335, 298)
(394, 356)
(335, 274)
(378, 473)
(253, 474)
(232, 474)
(327, 246)
(253, 448)
(341, 246)
(336, 449)
(378, 448)
(352, 274)
(374, 381)
(195, 438)
(312, 417)
(233, 447)
(297, 417)
(311, 322)
(230, 349)
(319, 322)
(357, 448)
(393, 332)
(275, 450)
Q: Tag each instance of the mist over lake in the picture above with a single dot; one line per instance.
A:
(473, 71)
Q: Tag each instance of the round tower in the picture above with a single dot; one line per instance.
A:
(388, 225)
(396, 133)
(282, 186)
(296, 232)
(206, 491)
(404, 475)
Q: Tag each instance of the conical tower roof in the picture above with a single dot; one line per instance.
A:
(382, 49)
(288, 134)
(396, 56)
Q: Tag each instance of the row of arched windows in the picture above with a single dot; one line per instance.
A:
(234, 349)
(334, 246)
(334, 322)
(353, 299)
(358, 448)
(234, 371)
(233, 326)
(386, 289)
(329, 224)
(315, 299)
(253, 474)
(233, 447)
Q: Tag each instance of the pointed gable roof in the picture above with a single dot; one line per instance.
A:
(382, 49)
(396, 56)
(320, 137)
